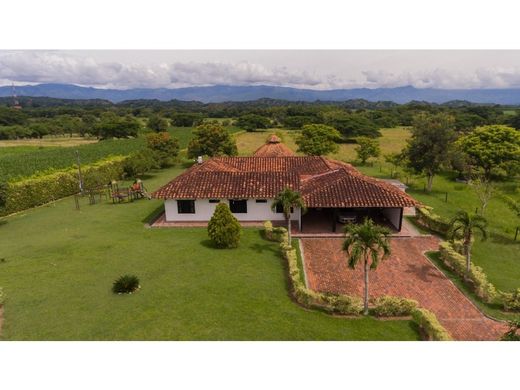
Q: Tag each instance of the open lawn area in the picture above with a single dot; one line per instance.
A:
(58, 266)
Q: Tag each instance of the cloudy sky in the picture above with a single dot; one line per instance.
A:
(294, 68)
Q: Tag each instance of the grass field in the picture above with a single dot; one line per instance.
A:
(391, 141)
(28, 157)
(48, 141)
(59, 265)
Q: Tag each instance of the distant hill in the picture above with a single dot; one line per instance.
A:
(219, 93)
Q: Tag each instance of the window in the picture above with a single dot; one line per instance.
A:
(238, 206)
(186, 206)
(214, 201)
(261, 201)
(279, 209)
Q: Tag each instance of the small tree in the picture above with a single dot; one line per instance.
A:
(157, 123)
(465, 225)
(484, 189)
(287, 200)
(223, 228)
(369, 243)
(211, 139)
(318, 140)
(164, 147)
(395, 160)
(367, 147)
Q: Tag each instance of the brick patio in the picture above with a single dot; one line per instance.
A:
(407, 273)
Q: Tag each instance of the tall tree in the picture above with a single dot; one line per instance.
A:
(318, 140)
(429, 147)
(252, 122)
(288, 200)
(465, 225)
(367, 243)
(211, 139)
(491, 147)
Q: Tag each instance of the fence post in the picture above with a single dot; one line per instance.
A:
(446, 197)
(516, 233)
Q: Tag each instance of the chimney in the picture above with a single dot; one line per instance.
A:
(199, 160)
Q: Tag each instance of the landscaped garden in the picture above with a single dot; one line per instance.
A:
(57, 268)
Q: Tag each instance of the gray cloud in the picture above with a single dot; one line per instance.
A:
(61, 67)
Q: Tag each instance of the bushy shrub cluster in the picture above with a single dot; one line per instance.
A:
(432, 221)
(223, 228)
(430, 325)
(455, 261)
(511, 301)
(273, 233)
(388, 306)
(37, 190)
(126, 284)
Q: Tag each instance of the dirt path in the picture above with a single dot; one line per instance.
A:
(407, 273)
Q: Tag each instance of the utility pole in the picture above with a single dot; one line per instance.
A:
(80, 176)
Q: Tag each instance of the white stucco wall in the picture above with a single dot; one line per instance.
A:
(204, 210)
(393, 215)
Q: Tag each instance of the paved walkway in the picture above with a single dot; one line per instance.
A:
(407, 273)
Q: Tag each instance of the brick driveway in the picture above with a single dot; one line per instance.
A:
(407, 273)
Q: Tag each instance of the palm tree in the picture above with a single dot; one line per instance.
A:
(366, 242)
(463, 224)
(287, 200)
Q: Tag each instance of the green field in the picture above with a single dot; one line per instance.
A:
(59, 265)
(27, 158)
(391, 141)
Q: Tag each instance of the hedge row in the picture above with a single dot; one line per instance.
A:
(430, 325)
(38, 190)
(332, 303)
(457, 262)
(451, 255)
(432, 221)
(388, 306)
(348, 305)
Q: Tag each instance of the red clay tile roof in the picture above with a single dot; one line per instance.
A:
(322, 182)
(273, 148)
(340, 188)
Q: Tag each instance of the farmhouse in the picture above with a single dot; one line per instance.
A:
(333, 191)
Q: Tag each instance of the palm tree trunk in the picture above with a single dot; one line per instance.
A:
(365, 311)
(468, 259)
(289, 229)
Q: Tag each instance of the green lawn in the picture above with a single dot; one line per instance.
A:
(59, 265)
(492, 310)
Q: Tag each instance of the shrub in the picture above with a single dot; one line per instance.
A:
(223, 227)
(511, 301)
(455, 261)
(388, 306)
(432, 328)
(165, 148)
(139, 163)
(512, 334)
(126, 284)
(40, 189)
(2, 296)
(432, 221)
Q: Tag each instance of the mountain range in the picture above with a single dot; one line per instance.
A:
(222, 93)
